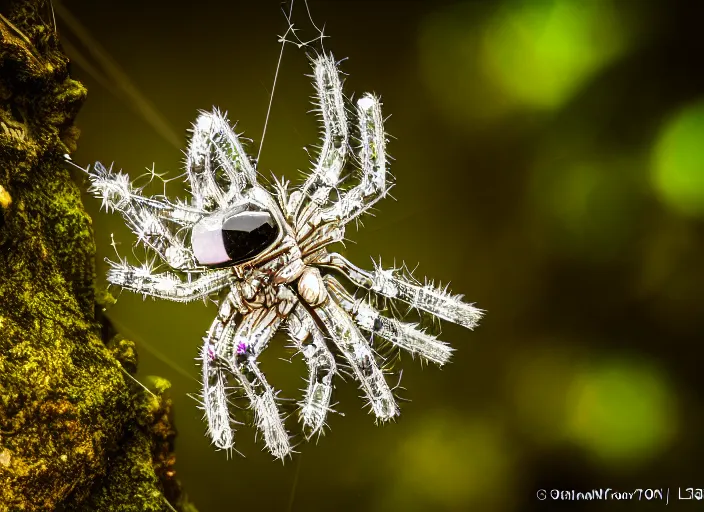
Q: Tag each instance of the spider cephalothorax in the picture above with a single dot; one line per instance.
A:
(261, 253)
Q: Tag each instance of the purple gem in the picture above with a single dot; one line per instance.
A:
(242, 348)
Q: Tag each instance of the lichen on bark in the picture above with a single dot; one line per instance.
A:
(76, 432)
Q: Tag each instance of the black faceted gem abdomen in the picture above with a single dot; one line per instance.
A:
(248, 233)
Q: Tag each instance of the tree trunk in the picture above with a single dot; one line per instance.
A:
(76, 432)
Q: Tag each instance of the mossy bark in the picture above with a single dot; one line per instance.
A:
(76, 432)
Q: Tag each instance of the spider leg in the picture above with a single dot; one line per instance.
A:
(215, 352)
(373, 185)
(214, 397)
(331, 107)
(241, 351)
(358, 353)
(215, 401)
(403, 335)
(147, 217)
(166, 285)
(321, 369)
(436, 301)
(217, 166)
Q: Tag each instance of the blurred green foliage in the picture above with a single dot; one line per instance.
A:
(484, 60)
(678, 161)
(450, 461)
(590, 204)
(622, 411)
(540, 52)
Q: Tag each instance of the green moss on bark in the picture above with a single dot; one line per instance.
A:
(76, 433)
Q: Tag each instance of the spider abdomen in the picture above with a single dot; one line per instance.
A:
(311, 287)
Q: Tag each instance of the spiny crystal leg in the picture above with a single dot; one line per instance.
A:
(117, 193)
(217, 165)
(214, 379)
(251, 337)
(356, 350)
(372, 159)
(331, 107)
(426, 297)
(321, 369)
(146, 216)
(215, 401)
(166, 285)
(404, 335)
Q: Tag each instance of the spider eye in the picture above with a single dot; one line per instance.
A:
(235, 238)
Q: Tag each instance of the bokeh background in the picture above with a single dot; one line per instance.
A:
(550, 163)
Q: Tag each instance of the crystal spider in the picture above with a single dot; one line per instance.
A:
(263, 254)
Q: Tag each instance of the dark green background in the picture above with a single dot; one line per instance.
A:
(549, 163)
